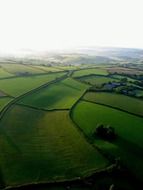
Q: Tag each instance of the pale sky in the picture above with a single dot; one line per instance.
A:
(59, 24)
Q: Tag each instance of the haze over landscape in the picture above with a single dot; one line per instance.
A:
(43, 25)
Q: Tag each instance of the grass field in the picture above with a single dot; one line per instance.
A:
(20, 85)
(4, 74)
(129, 128)
(123, 70)
(48, 69)
(126, 103)
(139, 93)
(18, 69)
(60, 95)
(39, 146)
(121, 77)
(97, 80)
(89, 72)
(68, 67)
(4, 101)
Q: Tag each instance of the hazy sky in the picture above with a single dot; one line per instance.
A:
(57, 24)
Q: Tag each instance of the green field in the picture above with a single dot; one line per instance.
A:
(47, 68)
(129, 128)
(4, 74)
(38, 146)
(60, 95)
(121, 77)
(129, 104)
(4, 101)
(19, 69)
(20, 85)
(48, 131)
(68, 67)
(83, 72)
(97, 80)
(139, 93)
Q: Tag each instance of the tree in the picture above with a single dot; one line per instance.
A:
(107, 133)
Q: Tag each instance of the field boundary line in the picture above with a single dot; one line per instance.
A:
(116, 108)
(41, 109)
(5, 109)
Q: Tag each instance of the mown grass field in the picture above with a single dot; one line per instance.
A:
(61, 95)
(129, 128)
(129, 104)
(18, 69)
(83, 72)
(4, 101)
(38, 146)
(20, 85)
(97, 80)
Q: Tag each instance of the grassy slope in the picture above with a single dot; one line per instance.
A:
(47, 147)
(20, 85)
(126, 103)
(57, 96)
(19, 68)
(129, 128)
(4, 101)
(90, 71)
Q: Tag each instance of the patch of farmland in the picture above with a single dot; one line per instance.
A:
(129, 128)
(20, 85)
(121, 77)
(47, 68)
(4, 101)
(4, 74)
(68, 67)
(122, 70)
(20, 69)
(129, 104)
(38, 146)
(61, 95)
(84, 72)
(97, 80)
(139, 93)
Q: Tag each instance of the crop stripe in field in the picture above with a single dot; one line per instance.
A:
(5, 109)
(41, 109)
(113, 107)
